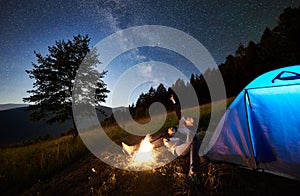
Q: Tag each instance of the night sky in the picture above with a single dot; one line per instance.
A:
(28, 26)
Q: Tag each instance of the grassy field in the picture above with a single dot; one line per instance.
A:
(65, 166)
(22, 166)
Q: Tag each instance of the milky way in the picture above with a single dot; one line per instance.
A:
(28, 26)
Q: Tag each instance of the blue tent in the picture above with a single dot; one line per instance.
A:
(261, 128)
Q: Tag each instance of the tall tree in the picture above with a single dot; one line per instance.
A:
(54, 76)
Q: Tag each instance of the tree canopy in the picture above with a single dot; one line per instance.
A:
(54, 76)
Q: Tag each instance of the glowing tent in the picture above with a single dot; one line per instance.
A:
(261, 128)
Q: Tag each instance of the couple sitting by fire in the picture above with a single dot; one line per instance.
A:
(180, 146)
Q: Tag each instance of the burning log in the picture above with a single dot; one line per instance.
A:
(129, 150)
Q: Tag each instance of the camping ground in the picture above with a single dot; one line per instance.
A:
(64, 166)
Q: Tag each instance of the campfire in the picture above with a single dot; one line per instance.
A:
(142, 154)
(145, 153)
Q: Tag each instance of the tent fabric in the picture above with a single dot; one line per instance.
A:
(261, 128)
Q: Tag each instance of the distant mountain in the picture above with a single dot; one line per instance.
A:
(15, 125)
(11, 106)
(120, 108)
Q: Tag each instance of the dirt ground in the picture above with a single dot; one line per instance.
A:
(90, 176)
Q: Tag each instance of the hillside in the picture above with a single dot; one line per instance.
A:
(64, 166)
(16, 126)
(11, 106)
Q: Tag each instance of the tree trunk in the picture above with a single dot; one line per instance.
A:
(74, 130)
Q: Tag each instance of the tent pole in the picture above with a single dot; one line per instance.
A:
(246, 95)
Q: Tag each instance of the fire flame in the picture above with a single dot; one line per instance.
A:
(145, 152)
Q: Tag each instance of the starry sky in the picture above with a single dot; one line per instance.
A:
(33, 25)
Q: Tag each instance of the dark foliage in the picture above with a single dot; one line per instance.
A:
(277, 48)
(54, 76)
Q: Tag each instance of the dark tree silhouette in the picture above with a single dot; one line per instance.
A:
(277, 48)
(54, 76)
